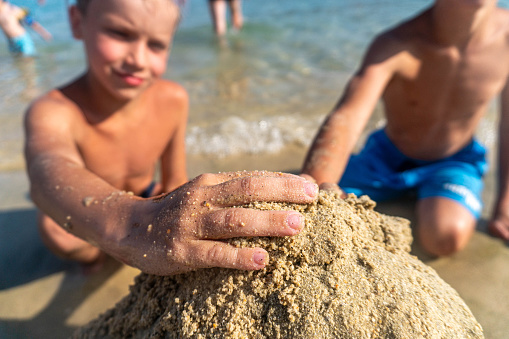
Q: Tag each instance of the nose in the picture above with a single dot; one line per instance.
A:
(137, 55)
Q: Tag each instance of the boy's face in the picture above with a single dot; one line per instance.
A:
(127, 42)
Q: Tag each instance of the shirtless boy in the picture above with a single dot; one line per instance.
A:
(12, 19)
(436, 73)
(92, 142)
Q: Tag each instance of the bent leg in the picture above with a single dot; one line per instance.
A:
(236, 13)
(218, 14)
(66, 245)
(444, 225)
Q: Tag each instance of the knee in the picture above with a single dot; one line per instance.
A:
(446, 239)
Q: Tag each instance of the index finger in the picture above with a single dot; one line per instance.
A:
(244, 190)
(209, 179)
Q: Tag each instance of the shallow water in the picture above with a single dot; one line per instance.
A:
(265, 88)
(255, 91)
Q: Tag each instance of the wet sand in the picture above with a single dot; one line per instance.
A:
(42, 296)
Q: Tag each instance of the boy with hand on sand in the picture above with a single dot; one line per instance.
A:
(94, 140)
(12, 21)
(436, 74)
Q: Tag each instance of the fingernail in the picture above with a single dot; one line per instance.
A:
(311, 189)
(294, 220)
(260, 258)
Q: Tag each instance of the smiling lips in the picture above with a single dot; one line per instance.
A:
(130, 79)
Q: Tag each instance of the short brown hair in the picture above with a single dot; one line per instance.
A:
(82, 5)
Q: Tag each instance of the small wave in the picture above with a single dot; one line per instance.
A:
(235, 135)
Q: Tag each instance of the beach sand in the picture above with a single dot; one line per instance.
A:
(42, 296)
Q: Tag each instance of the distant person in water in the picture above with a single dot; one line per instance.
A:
(437, 74)
(218, 14)
(13, 21)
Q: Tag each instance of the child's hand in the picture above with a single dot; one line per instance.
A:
(190, 222)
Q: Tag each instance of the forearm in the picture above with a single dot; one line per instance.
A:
(81, 202)
(41, 31)
(330, 151)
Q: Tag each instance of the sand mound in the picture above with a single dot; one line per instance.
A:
(349, 274)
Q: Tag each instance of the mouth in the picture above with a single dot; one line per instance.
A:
(130, 79)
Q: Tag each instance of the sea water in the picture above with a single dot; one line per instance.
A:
(255, 91)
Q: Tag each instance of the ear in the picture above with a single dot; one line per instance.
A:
(75, 19)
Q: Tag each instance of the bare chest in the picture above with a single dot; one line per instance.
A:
(124, 154)
(450, 83)
(8, 17)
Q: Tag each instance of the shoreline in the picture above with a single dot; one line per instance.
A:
(45, 296)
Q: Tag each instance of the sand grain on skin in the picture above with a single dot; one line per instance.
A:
(348, 274)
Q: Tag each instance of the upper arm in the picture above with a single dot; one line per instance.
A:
(364, 90)
(379, 65)
(49, 132)
(173, 159)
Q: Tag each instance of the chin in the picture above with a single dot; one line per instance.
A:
(129, 93)
(126, 96)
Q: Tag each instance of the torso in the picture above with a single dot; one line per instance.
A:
(9, 20)
(435, 101)
(124, 148)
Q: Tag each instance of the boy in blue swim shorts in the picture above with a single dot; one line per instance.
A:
(12, 22)
(436, 75)
(383, 173)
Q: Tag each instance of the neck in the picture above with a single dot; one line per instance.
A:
(459, 23)
(103, 103)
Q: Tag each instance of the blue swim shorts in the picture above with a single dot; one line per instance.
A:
(22, 45)
(382, 172)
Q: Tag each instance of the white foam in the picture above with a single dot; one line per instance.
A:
(235, 135)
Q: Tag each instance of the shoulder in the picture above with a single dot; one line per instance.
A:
(502, 22)
(52, 108)
(170, 91)
(54, 102)
(394, 51)
(385, 51)
(502, 15)
(170, 95)
(404, 35)
(392, 48)
(398, 38)
(15, 10)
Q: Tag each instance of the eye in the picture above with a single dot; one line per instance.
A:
(157, 46)
(118, 33)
